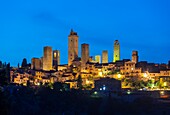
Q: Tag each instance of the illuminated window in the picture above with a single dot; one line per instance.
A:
(55, 55)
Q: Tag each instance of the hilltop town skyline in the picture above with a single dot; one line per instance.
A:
(64, 55)
(90, 57)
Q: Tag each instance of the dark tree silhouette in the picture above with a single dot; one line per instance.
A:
(5, 75)
(57, 86)
(24, 63)
(79, 82)
(18, 65)
(1, 64)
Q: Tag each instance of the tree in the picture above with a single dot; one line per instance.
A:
(24, 63)
(57, 86)
(79, 82)
(5, 75)
(8, 72)
(0, 64)
(18, 65)
(28, 83)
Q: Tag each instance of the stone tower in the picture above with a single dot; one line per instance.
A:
(72, 47)
(35, 63)
(105, 56)
(84, 55)
(98, 58)
(47, 59)
(56, 58)
(116, 51)
(135, 56)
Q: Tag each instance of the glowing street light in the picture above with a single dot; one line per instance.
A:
(162, 92)
(95, 92)
(104, 87)
(145, 75)
(128, 92)
(119, 76)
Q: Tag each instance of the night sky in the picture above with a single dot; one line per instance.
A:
(26, 26)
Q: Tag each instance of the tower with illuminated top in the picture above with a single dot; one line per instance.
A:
(56, 59)
(116, 52)
(72, 47)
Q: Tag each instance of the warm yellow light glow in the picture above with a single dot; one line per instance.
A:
(145, 75)
(165, 84)
(87, 81)
(55, 55)
(162, 92)
(100, 74)
(119, 76)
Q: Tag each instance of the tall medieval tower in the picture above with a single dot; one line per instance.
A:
(135, 56)
(56, 59)
(116, 55)
(84, 55)
(105, 56)
(72, 47)
(47, 59)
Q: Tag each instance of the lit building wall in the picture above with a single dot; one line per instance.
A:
(165, 73)
(47, 59)
(41, 61)
(129, 67)
(98, 58)
(84, 55)
(105, 56)
(36, 63)
(135, 56)
(72, 47)
(116, 52)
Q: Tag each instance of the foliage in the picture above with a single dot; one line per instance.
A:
(24, 63)
(79, 82)
(5, 75)
(58, 86)
(27, 101)
(134, 83)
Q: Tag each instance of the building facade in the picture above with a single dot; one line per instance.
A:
(107, 84)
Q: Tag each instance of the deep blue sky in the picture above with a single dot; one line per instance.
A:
(28, 25)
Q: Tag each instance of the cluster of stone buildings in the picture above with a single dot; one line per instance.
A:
(48, 69)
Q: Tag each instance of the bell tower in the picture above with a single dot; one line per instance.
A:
(72, 47)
